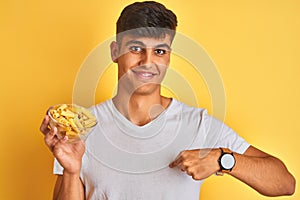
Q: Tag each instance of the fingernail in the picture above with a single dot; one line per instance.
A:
(66, 138)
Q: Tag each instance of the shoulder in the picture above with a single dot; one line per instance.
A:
(189, 114)
(102, 108)
(185, 108)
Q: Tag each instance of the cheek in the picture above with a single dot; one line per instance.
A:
(125, 63)
(165, 60)
(168, 62)
(163, 70)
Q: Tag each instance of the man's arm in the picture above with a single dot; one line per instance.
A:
(261, 171)
(68, 186)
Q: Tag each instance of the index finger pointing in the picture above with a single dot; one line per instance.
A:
(176, 162)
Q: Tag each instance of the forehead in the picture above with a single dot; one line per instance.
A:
(145, 41)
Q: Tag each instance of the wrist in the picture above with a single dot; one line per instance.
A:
(218, 154)
(67, 173)
(226, 161)
(72, 167)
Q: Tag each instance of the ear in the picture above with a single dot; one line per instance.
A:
(114, 51)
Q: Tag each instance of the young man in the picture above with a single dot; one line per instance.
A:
(126, 154)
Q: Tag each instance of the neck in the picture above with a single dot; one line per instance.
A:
(140, 109)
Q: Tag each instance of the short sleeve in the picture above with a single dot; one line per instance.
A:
(217, 134)
(57, 168)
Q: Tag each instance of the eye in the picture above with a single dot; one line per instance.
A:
(160, 51)
(136, 49)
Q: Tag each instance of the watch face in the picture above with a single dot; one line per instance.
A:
(227, 161)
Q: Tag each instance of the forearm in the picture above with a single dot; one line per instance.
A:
(69, 187)
(268, 175)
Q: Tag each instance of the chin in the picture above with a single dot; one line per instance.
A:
(147, 89)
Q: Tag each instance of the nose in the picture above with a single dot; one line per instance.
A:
(147, 58)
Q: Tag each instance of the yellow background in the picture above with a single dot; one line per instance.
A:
(254, 43)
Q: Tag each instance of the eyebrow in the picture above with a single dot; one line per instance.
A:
(163, 45)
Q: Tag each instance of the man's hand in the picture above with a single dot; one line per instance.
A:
(69, 155)
(261, 171)
(198, 163)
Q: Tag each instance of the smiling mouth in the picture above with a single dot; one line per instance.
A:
(144, 74)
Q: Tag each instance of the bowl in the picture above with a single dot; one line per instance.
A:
(71, 120)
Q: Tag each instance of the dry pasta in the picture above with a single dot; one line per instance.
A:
(73, 119)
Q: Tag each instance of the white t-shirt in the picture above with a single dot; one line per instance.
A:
(124, 161)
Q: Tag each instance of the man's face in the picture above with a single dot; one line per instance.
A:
(142, 62)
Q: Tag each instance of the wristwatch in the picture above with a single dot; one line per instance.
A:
(226, 161)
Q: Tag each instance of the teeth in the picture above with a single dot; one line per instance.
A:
(146, 74)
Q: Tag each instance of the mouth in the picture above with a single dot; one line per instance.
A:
(144, 75)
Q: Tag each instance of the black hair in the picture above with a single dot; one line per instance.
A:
(148, 19)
